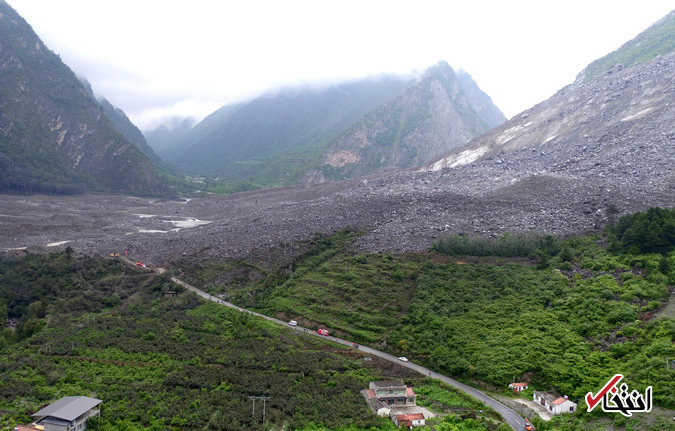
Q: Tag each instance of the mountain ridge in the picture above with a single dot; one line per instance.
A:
(55, 138)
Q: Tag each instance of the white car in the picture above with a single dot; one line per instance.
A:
(403, 358)
(293, 323)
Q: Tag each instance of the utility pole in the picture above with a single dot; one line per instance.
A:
(253, 398)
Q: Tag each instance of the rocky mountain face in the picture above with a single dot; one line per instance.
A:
(440, 112)
(617, 127)
(54, 137)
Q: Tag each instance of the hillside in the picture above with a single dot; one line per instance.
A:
(438, 113)
(658, 39)
(55, 137)
(169, 361)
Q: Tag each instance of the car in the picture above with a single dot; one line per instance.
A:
(528, 426)
(403, 358)
(293, 323)
(322, 332)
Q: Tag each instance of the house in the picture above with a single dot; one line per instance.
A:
(409, 420)
(67, 414)
(393, 393)
(378, 407)
(554, 403)
(517, 387)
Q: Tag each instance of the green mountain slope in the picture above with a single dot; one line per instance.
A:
(658, 39)
(53, 136)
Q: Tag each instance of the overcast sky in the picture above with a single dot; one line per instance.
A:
(159, 58)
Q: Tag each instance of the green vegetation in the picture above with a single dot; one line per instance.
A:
(89, 326)
(656, 40)
(568, 317)
(649, 232)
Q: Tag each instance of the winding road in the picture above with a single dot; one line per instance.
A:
(516, 421)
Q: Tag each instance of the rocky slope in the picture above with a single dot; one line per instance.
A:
(53, 136)
(440, 112)
(617, 127)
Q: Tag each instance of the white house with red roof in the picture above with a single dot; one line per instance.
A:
(408, 420)
(517, 387)
(554, 403)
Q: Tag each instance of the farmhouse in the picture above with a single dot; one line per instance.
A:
(410, 420)
(67, 414)
(517, 387)
(554, 403)
(391, 393)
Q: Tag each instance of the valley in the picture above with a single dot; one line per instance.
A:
(303, 243)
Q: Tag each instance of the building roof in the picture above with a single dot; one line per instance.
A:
(68, 408)
(517, 385)
(409, 392)
(409, 417)
(559, 401)
(549, 396)
(370, 393)
(389, 384)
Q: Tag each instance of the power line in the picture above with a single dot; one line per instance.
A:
(253, 398)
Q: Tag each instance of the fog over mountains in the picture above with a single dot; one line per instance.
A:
(301, 135)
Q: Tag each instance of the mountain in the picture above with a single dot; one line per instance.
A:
(440, 112)
(122, 123)
(54, 136)
(658, 39)
(164, 136)
(280, 135)
(309, 134)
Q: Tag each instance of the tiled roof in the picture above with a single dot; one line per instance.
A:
(558, 401)
(410, 417)
(370, 393)
(517, 385)
(389, 384)
(549, 396)
(409, 392)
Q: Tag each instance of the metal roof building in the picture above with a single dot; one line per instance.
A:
(68, 414)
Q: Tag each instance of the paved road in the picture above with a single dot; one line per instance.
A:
(516, 421)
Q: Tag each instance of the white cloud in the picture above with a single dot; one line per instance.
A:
(155, 58)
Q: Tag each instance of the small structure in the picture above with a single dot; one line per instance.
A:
(554, 403)
(410, 420)
(517, 387)
(392, 393)
(67, 414)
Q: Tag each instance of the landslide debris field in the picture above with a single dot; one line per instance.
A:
(593, 146)
(403, 212)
